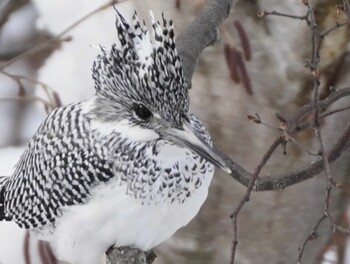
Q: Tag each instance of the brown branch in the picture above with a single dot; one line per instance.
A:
(331, 112)
(313, 235)
(314, 168)
(50, 93)
(263, 13)
(317, 38)
(277, 182)
(337, 25)
(250, 188)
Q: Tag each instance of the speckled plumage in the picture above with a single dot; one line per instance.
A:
(95, 175)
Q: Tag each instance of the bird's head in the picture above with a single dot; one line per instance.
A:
(141, 89)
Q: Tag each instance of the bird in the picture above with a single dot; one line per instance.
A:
(128, 167)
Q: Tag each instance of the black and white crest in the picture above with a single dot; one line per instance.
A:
(146, 69)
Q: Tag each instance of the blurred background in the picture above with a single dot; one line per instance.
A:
(273, 225)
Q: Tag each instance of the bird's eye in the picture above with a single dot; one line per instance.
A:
(142, 112)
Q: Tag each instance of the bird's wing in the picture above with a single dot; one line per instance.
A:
(58, 169)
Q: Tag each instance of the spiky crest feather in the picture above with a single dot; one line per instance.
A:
(143, 70)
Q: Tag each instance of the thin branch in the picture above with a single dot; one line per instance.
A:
(257, 120)
(277, 182)
(313, 235)
(314, 168)
(263, 13)
(337, 25)
(331, 112)
(47, 89)
(250, 188)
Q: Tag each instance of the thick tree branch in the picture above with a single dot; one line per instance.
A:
(202, 32)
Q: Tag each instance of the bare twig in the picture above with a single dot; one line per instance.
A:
(250, 188)
(337, 25)
(313, 64)
(257, 119)
(47, 89)
(331, 112)
(263, 13)
(313, 235)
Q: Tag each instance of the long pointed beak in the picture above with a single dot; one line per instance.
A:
(186, 137)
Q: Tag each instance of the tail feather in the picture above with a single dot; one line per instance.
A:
(3, 180)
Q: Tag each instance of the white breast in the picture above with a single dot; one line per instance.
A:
(85, 232)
